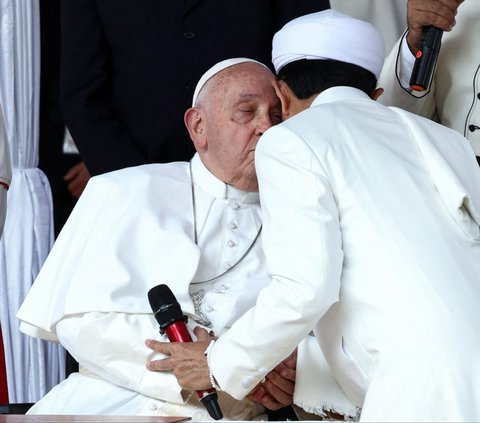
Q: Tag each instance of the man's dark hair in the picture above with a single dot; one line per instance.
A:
(309, 77)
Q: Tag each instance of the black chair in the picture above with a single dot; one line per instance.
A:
(283, 414)
(18, 408)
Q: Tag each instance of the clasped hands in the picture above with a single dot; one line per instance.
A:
(187, 361)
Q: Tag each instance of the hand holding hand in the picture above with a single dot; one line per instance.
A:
(277, 390)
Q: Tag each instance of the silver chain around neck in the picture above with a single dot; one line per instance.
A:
(195, 236)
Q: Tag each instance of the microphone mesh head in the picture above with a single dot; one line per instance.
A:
(165, 306)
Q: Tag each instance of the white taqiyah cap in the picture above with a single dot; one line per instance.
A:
(224, 64)
(329, 35)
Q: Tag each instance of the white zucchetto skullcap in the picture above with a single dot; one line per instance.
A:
(224, 64)
(329, 35)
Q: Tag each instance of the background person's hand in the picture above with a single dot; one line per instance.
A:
(421, 13)
(77, 178)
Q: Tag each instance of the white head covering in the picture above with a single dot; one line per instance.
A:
(329, 35)
(216, 69)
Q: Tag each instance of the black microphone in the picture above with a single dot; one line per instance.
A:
(426, 59)
(169, 315)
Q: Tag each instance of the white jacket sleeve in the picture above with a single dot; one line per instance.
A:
(395, 78)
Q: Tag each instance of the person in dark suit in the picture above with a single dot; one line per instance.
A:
(65, 171)
(129, 68)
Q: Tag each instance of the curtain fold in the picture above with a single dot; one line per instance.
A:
(33, 366)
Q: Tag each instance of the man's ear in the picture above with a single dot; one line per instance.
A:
(376, 93)
(284, 94)
(195, 124)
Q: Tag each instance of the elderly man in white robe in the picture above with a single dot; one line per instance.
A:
(371, 237)
(193, 226)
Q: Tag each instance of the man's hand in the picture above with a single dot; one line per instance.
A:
(420, 13)
(77, 178)
(186, 360)
(277, 390)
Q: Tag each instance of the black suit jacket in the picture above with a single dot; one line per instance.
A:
(129, 68)
(53, 162)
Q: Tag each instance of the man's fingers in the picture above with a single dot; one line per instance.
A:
(279, 381)
(270, 396)
(284, 371)
(291, 360)
(257, 394)
(159, 365)
(161, 347)
(271, 404)
(421, 13)
(276, 398)
(439, 13)
(162, 365)
(186, 360)
(202, 334)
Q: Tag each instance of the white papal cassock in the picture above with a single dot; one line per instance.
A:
(131, 230)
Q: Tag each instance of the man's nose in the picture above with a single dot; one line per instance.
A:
(264, 123)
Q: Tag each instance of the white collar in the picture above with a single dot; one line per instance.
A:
(342, 93)
(217, 188)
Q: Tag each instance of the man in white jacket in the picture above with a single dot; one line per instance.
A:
(371, 237)
(194, 226)
(454, 96)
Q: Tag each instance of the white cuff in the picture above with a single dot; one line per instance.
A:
(212, 378)
(405, 65)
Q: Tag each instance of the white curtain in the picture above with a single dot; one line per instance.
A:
(33, 366)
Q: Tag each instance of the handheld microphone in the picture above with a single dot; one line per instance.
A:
(169, 315)
(426, 59)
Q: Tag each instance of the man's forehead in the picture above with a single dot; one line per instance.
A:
(258, 94)
(241, 73)
(245, 89)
